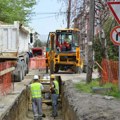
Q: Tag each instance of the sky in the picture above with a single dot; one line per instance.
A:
(44, 22)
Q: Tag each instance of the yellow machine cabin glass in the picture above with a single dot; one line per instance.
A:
(67, 40)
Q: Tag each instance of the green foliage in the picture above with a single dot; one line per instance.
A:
(87, 88)
(99, 43)
(37, 43)
(16, 10)
(111, 48)
(115, 91)
(98, 50)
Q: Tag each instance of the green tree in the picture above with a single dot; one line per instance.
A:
(111, 48)
(99, 48)
(16, 10)
(37, 43)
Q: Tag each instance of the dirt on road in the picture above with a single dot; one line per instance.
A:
(47, 110)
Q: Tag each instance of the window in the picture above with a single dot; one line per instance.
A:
(76, 38)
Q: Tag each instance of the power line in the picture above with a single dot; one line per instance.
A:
(50, 13)
(43, 17)
(53, 13)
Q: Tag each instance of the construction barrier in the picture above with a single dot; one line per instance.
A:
(110, 71)
(6, 79)
(37, 63)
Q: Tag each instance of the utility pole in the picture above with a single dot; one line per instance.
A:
(90, 41)
(68, 13)
(75, 7)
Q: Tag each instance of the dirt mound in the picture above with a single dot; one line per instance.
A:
(88, 106)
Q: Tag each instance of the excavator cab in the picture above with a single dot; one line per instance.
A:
(66, 40)
(63, 51)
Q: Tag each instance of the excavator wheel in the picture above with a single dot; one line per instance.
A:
(78, 70)
(56, 68)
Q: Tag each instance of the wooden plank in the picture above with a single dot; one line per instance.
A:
(6, 71)
(49, 100)
(66, 62)
(45, 81)
(8, 58)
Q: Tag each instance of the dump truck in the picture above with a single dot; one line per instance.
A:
(63, 51)
(14, 48)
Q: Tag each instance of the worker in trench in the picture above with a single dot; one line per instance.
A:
(36, 89)
(54, 95)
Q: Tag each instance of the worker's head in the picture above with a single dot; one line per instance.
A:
(36, 78)
(52, 77)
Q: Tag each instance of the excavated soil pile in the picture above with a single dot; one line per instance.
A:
(82, 106)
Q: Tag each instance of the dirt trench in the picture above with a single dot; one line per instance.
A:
(47, 110)
(75, 105)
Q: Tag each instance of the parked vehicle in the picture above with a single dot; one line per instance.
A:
(14, 47)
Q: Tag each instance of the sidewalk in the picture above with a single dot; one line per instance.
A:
(8, 101)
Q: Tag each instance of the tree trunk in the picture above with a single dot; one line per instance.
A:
(68, 13)
(90, 41)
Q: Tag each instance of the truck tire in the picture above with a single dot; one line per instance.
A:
(27, 63)
(17, 73)
(24, 67)
(20, 76)
(27, 70)
(27, 59)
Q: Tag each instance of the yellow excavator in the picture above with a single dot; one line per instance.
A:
(63, 51)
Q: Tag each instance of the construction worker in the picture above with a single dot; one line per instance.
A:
(54, 95)
(67, 43)
(36, 92)
(67, 39)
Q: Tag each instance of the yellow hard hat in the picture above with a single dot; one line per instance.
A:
(52, 76)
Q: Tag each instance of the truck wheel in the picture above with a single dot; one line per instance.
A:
(20, 76)
(27, 63)
(27, 59)
(24, 68)
(27, 70)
